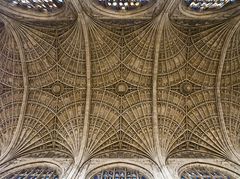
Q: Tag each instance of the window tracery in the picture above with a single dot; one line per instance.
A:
(119, 173)
(207, 4)
(33, 173)
(38, 5)
(123, 4)
(204, 173)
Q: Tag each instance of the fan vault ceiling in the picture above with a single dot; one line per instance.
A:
(81, 86)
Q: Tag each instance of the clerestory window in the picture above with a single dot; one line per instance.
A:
(32, 173)
(204, 173)
(201, 5)
(123, 4)
(119, 173)
(47, 6)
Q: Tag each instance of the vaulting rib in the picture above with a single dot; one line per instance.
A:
(161, 20)
(79, 155)
(17, 132)
(228, 144)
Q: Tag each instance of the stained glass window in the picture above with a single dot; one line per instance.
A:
(119, 173)
(123, 4)
(38, 5)
(204, 173)
(207, 4)
(32, 173)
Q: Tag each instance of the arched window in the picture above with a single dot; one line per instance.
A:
(34, 173)
(38, 5)
(200, 5)
(119, 173)
(204, 173)
(123, 4)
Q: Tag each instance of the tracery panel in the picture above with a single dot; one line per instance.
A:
(40, 53)
(203, 120)
(104, 123)
(10, 63)
(136, 122)
(230, 74)
(119, 173)
(201, 172)
(203, 5)
(137, 53)
(11, 86)
(172, 56)
(52, 126)
(205, 50)
(171, 121)
(36, 137)
(120, 50)
(37, 172)
(72, 56)
(231, 112)
(10, 107)
(38, 6)
(123, 4)
(69, 124)
(120, 124)
(105, 53)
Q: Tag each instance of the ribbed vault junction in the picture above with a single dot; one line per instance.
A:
(88, 92)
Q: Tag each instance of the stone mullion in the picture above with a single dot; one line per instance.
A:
(6, 156)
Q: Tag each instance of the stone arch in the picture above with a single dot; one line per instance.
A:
(207, 169)
(120, 165)
(24, 166)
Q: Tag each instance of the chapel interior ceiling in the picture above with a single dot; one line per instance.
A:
(80, 83)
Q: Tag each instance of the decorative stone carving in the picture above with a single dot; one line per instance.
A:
(186, 88)
(57, 88)
(121, 88)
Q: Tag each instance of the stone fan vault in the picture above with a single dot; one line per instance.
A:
(151, 93)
